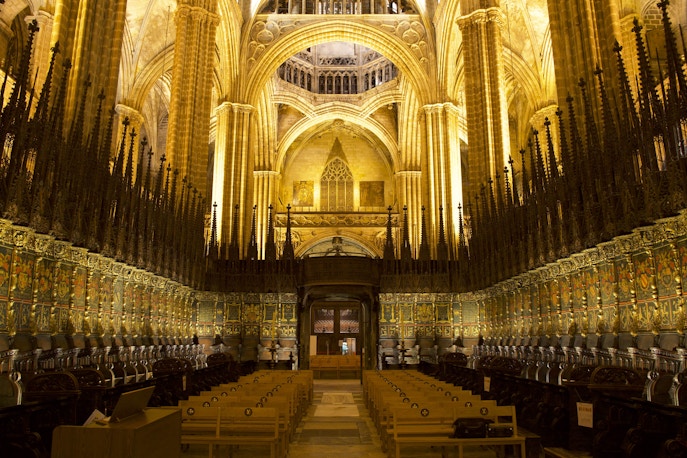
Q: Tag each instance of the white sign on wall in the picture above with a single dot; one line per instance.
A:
(585, 414)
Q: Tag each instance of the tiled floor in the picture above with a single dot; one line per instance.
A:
(335, 429)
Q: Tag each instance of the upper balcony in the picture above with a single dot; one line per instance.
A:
(338, 7)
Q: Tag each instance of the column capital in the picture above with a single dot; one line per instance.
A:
(41, 17)
(482, 16)
(132, 113)
(541, 114)
(409, 173)
(235, 107)
(442, 107)
(265, 173)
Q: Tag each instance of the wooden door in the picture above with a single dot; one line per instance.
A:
(337, 327)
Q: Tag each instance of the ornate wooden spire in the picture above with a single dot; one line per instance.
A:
(287, 252)
(442, 247)
(406, 251)
(389, 242)
(424, 244)
(252, 252)
(233, 254)
(270, 246)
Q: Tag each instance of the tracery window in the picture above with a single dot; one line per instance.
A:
(336, 187)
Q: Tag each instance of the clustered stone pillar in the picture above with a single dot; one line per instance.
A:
(190, 104)
(90, 34)
(576, 30)
(408, 177)
(230, 173)
(485, 96)
(443, 170)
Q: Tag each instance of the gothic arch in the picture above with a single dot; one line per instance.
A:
(403, 41)
(146, 79)
(347, 114)
(306, 246)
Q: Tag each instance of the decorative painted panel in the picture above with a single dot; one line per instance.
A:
(252, 313)
(666, 271)
(643, 275)
(118, 297)
(625, 276)
(79, 287)
(5, 264)
(387, 312)
(443, 313)
(566, 294)
(471, 321)
(206, 316)
(681, 253)
(607, 279)
(232, 311)
(424, 313)
(371, 193)
(106, 293)
(288, 313)
(44, 284)
(22, 276)
(578, 289)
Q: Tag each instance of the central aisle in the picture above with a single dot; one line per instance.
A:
(337, 424)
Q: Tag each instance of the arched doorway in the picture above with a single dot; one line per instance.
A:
(338, 309)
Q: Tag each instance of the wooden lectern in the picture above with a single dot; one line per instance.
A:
(153, 433)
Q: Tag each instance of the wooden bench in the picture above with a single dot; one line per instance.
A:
(425, 427)
(286, 416)
(231, 426)
(338, 364)
(287, 398)
(386, 431)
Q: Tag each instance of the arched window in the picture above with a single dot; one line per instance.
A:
(336, 187)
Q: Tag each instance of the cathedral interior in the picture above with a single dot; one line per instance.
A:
(396, 180)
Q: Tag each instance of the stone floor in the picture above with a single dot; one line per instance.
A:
(337, 425)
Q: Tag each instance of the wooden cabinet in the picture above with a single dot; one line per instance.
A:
(154, 433)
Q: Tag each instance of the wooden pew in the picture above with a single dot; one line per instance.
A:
(231, 426)
(200, 424)
(427, 428)
(338, 364)
(248, 426)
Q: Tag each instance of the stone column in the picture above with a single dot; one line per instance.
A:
(189, 111)
(410, 188)
(231, 181)
(583, 35)
(443, 171)
(90, 34)
(485, 96)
